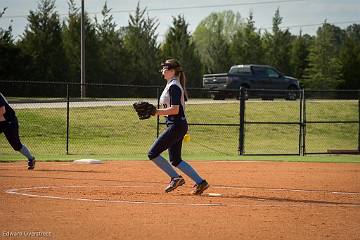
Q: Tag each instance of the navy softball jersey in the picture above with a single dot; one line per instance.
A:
(173, 94)
(177, 126)
(9, 114)
(10, 126)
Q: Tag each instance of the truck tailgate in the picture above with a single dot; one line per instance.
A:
(213, 80)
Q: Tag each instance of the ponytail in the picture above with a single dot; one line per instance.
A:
(182, 79)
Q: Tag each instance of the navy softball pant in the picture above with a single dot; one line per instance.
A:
(170, 139)
(11, 131)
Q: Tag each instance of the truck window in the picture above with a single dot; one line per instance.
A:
(260, 71)
(240, 70)
(272, 73)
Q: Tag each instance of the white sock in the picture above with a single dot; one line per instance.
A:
(25, 151)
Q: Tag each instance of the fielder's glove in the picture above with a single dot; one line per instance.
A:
(144, 110)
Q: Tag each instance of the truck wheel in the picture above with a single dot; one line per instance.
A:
(292, 94)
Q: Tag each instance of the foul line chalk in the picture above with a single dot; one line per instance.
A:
(17, 191)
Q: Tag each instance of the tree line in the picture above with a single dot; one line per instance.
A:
(49, 49)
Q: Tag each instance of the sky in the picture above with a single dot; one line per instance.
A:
(304, 15)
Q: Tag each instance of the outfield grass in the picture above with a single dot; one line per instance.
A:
(111, 133)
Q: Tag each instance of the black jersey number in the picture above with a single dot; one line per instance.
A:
(164, 105)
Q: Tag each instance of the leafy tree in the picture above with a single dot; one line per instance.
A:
(178, 44)
(350, 58)
(113, 55)
(140, 40)
(42, 40)
(277, 45)
(324, 71)
(217, 28)
(246, 46)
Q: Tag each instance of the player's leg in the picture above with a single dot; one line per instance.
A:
(11, 132)
(164, 142)
(159, 146)
(176, 160)
(175, 157)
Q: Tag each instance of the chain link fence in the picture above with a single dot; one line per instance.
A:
(331, 122)
(314, 122)
(105, 123)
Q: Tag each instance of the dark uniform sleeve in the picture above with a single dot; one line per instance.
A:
(175, 95)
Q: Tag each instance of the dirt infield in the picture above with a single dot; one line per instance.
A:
(125, 200)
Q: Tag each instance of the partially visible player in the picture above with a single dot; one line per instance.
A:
(10, 127)
(172, 102)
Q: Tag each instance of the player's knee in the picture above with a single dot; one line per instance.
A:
(17, 146)
(176, 162)
(152, 155)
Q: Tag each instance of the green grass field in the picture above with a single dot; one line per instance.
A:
(115, 133)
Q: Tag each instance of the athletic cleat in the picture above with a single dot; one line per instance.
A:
(174, 183)
(31, 164)
(200, 188)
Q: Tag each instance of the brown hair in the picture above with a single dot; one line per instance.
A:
(175, 64)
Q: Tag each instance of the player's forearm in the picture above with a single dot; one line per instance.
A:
(2, 112)
(173, 110)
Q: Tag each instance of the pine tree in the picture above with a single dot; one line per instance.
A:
(324, 71)
(246, 45)
(350, 58)
(140, 41)
(277, 46)
(6, 36)
(113, 55)
(42, 40)
(178, 44)
(299, 55)
(72, 43)
(219, 53)
(13, 63)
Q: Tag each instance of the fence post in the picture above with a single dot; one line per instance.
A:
(242, 121)
(67, 118)
(304, 125)
(359, 122)
(301, 121)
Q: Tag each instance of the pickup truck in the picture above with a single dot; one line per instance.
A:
(260, 77)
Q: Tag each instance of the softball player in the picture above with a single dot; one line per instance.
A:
(10, 127)
(172, 102)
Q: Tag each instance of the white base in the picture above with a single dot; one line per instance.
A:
(88, 161)
(214, 194)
